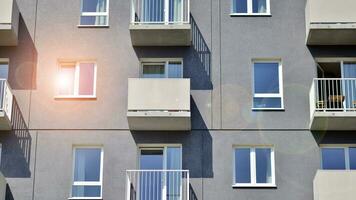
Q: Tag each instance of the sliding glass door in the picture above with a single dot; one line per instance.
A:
(153, 11)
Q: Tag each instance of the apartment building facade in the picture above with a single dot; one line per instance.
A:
(177, 99)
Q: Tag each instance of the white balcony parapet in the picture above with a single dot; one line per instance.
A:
(334, 184)
(157, 185)
(9, 23)
(159, 104)
(333, 103)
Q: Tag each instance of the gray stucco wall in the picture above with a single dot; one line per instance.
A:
(38, 163)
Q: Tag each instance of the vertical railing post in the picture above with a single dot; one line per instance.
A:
(128, 186)
(166, 11)
(187, 185)
(188, 11)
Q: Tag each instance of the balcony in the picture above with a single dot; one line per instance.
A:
(2, 187)
(160, 23)
(335, 184)
(9, 23)
(330, 22)
(6, 102)
(159, 104)
(157, 185)
(333, 104)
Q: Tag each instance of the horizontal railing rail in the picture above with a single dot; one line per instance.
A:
(333, 94)
(157, 185)
(160, 11)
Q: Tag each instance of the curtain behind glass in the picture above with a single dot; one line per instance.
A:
(175, 10)
(174, 179)
(152, 11)
(349, 86)
(101, 7)
(259, 6)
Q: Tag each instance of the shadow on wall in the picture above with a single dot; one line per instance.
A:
(23, 60)
(8, 193)
(16, 147)
(334, 137)
(201, 55)
(196, 58)
(196, 146)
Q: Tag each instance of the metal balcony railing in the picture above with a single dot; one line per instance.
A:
(160, 12)
(333, 94)
(157, 185)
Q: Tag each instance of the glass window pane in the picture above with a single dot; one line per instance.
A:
(263, 165)
(86, 78)
(333, 158)
(87, 164)
(239, 6)
(242, 165)
(66, 80)
(266, 78)
(94, 6)
(259, 6)
(267, 102)
(352, 154)
(86, 191)
(175, 70)
(4, 70)
(151, 159)
(93, 20)
(153, 71)
(153, 10)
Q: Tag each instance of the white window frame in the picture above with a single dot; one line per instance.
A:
(268, 95)
(250, 9)
(88, 183)
(345, 147)
(94, 14)
(157, 61)
(76, 79)
(6, 61)
(253, 167)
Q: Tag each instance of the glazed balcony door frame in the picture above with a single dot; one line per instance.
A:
(164, 148)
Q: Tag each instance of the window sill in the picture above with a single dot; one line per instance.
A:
(93, 26)
(85, 198)
(267, 109)
(59, 97)
(254, 186)
(250, 15)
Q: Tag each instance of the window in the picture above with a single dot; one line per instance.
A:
(77, 79)
(268, 85)
(88, 173)
(4, 70)
(250, 7)
(338, 158)
(254, 167)
(162, 69)
(94, 13)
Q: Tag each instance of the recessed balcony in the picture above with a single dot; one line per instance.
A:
(159, 104)
(335, 184)
(330, 22)
(160, 23)
(9, 23)
(333, 104)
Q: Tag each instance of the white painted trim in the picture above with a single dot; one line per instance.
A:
(345, 147)
(76, 94)
(161, 61)
(88, 183)
(250, 9)
(280, 81)
(5, 60)
(253, 166)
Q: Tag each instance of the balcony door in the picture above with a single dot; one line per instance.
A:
(349, 84)
(160, 178)
(162, 11)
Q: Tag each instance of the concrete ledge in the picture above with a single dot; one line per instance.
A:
(334, 185)
(333, 121)
(160, 34)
